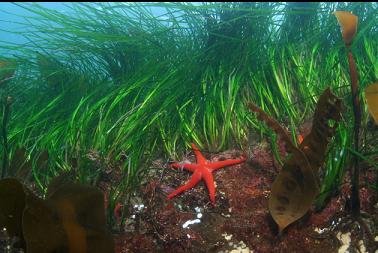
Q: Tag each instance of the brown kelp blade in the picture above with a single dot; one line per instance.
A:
(297, 185)
(20, 166)
(348, 24)
(65, 177)
(295, 188)
(81, 209)
(12, 204)
(371, 95)
(324, 123)
(73, 217)
(100, 242)
(293, 191)
(42, 228)
(87, 202)
(71, 220)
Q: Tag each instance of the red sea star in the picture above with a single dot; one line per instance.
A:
(202, 170)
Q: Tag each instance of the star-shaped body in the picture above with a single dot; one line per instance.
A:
(202, 170)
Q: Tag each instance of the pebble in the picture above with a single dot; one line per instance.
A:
(227, 236)
(362, 246)
(345, 241)
(190, 222)
(320, 230)
(139, 207)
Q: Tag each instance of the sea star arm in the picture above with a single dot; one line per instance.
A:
(189, 166)
(217, 165)
(196, 177)
(209, 180)
(200, 158)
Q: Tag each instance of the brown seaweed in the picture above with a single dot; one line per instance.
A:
(348, 24)
(42, 228)
(81, 208)
(325, 121)
(273, 124)
(20, 166)
(371, 95)
(71, 219)
(12, 204)
(296, 186)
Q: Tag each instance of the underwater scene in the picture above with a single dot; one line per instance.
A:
(225, 127)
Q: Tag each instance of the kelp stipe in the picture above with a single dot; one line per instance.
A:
(348, 24)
